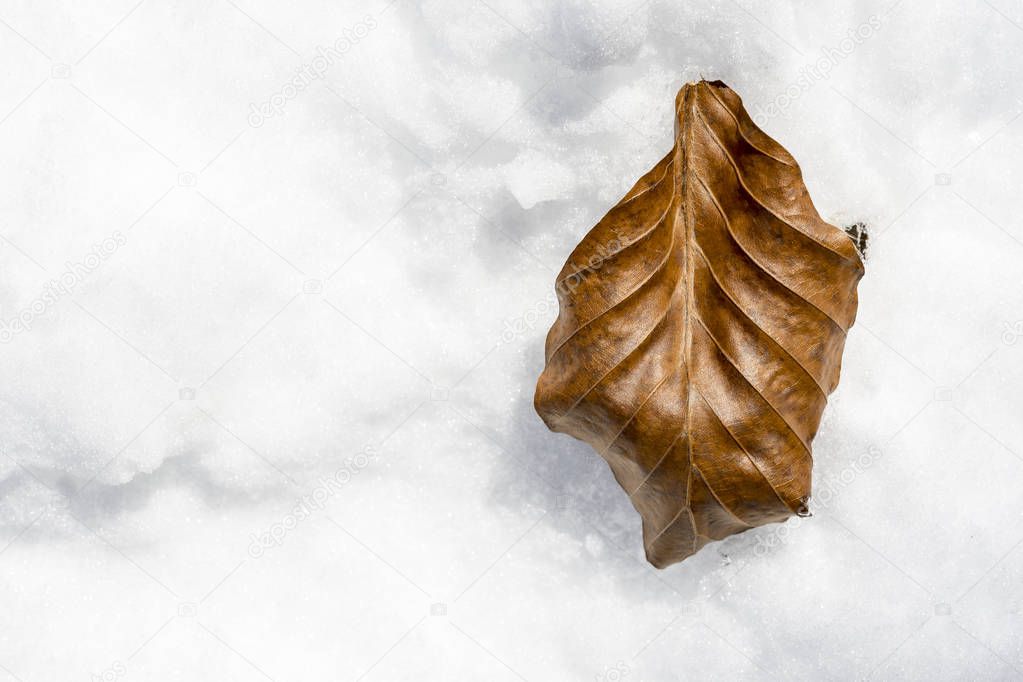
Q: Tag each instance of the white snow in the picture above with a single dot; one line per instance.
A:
(285, 429)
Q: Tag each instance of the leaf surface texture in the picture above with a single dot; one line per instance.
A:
(701, 329)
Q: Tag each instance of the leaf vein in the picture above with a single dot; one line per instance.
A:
(646, 337)
(646, 232)
(757, 199)
(742, 132)
(756, 261)
(728, 295)
(635, 290)
(718, 498)
(742, 447)
(650, 395)
(756, 390)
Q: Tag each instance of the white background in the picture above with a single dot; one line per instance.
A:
(358, 286)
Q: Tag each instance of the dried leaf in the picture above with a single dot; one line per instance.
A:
(701, 330)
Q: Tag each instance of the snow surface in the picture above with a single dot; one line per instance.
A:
(277, 423)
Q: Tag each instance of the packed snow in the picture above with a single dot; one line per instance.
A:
(275, 283)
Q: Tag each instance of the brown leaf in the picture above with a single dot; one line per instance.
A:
(701, 329)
